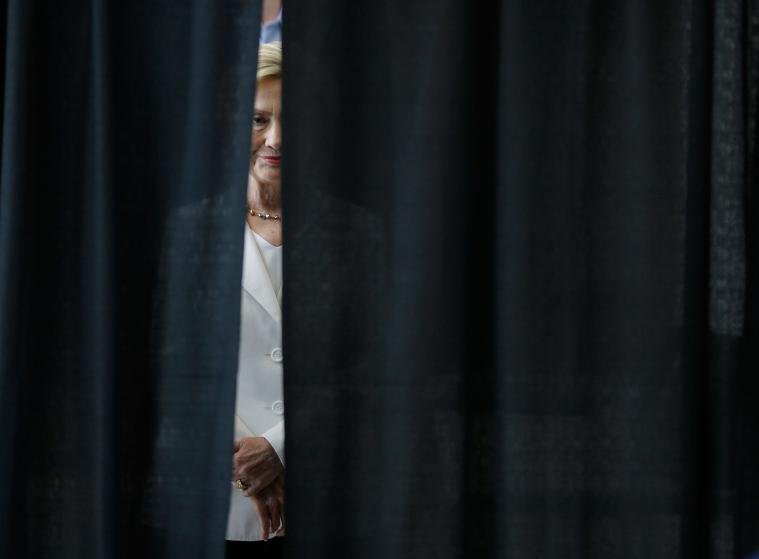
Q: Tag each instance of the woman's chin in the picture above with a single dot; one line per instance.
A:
(268, 180)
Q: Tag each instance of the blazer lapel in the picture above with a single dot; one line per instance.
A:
(255, 277)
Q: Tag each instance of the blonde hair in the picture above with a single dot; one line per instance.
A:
(269, 60)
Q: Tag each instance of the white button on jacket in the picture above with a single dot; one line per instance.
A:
(260, 398)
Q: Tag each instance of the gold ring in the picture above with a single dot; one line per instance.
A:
(240, 484)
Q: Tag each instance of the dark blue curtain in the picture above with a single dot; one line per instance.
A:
(125, 144)
(550, 349)
(521, 312)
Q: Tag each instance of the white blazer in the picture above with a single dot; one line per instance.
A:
(260, 404)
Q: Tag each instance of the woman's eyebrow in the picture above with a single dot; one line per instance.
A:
(262, 111)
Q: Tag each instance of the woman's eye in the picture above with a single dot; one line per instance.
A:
(259, 121)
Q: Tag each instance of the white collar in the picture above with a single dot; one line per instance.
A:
(255, 277)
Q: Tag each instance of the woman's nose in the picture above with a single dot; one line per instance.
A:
(274, 135)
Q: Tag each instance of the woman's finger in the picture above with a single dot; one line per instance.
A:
(274, 510)
(264, 517)
(281, 530)
(275, 491)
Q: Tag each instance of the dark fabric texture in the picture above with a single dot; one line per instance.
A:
(125, 141)
(271, 549)
(551, 348)
(520, 308)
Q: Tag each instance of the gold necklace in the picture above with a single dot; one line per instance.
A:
(256, 213)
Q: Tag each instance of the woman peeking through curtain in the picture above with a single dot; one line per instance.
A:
(257, 502)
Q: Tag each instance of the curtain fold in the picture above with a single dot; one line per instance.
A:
(125, 143)
(556, 316)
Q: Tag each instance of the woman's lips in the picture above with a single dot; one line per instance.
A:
(272, 160)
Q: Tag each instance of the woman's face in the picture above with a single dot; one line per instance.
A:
(265, 162)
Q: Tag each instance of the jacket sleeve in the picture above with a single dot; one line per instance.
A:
(276, 438)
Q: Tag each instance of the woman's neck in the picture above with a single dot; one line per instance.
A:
(269, 229)
(265, 198)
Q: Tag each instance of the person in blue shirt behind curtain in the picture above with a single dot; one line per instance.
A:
(271, 21)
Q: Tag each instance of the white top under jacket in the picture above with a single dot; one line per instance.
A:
(260, 403)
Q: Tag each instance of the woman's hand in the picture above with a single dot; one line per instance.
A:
(270, 505)
(256, 463)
